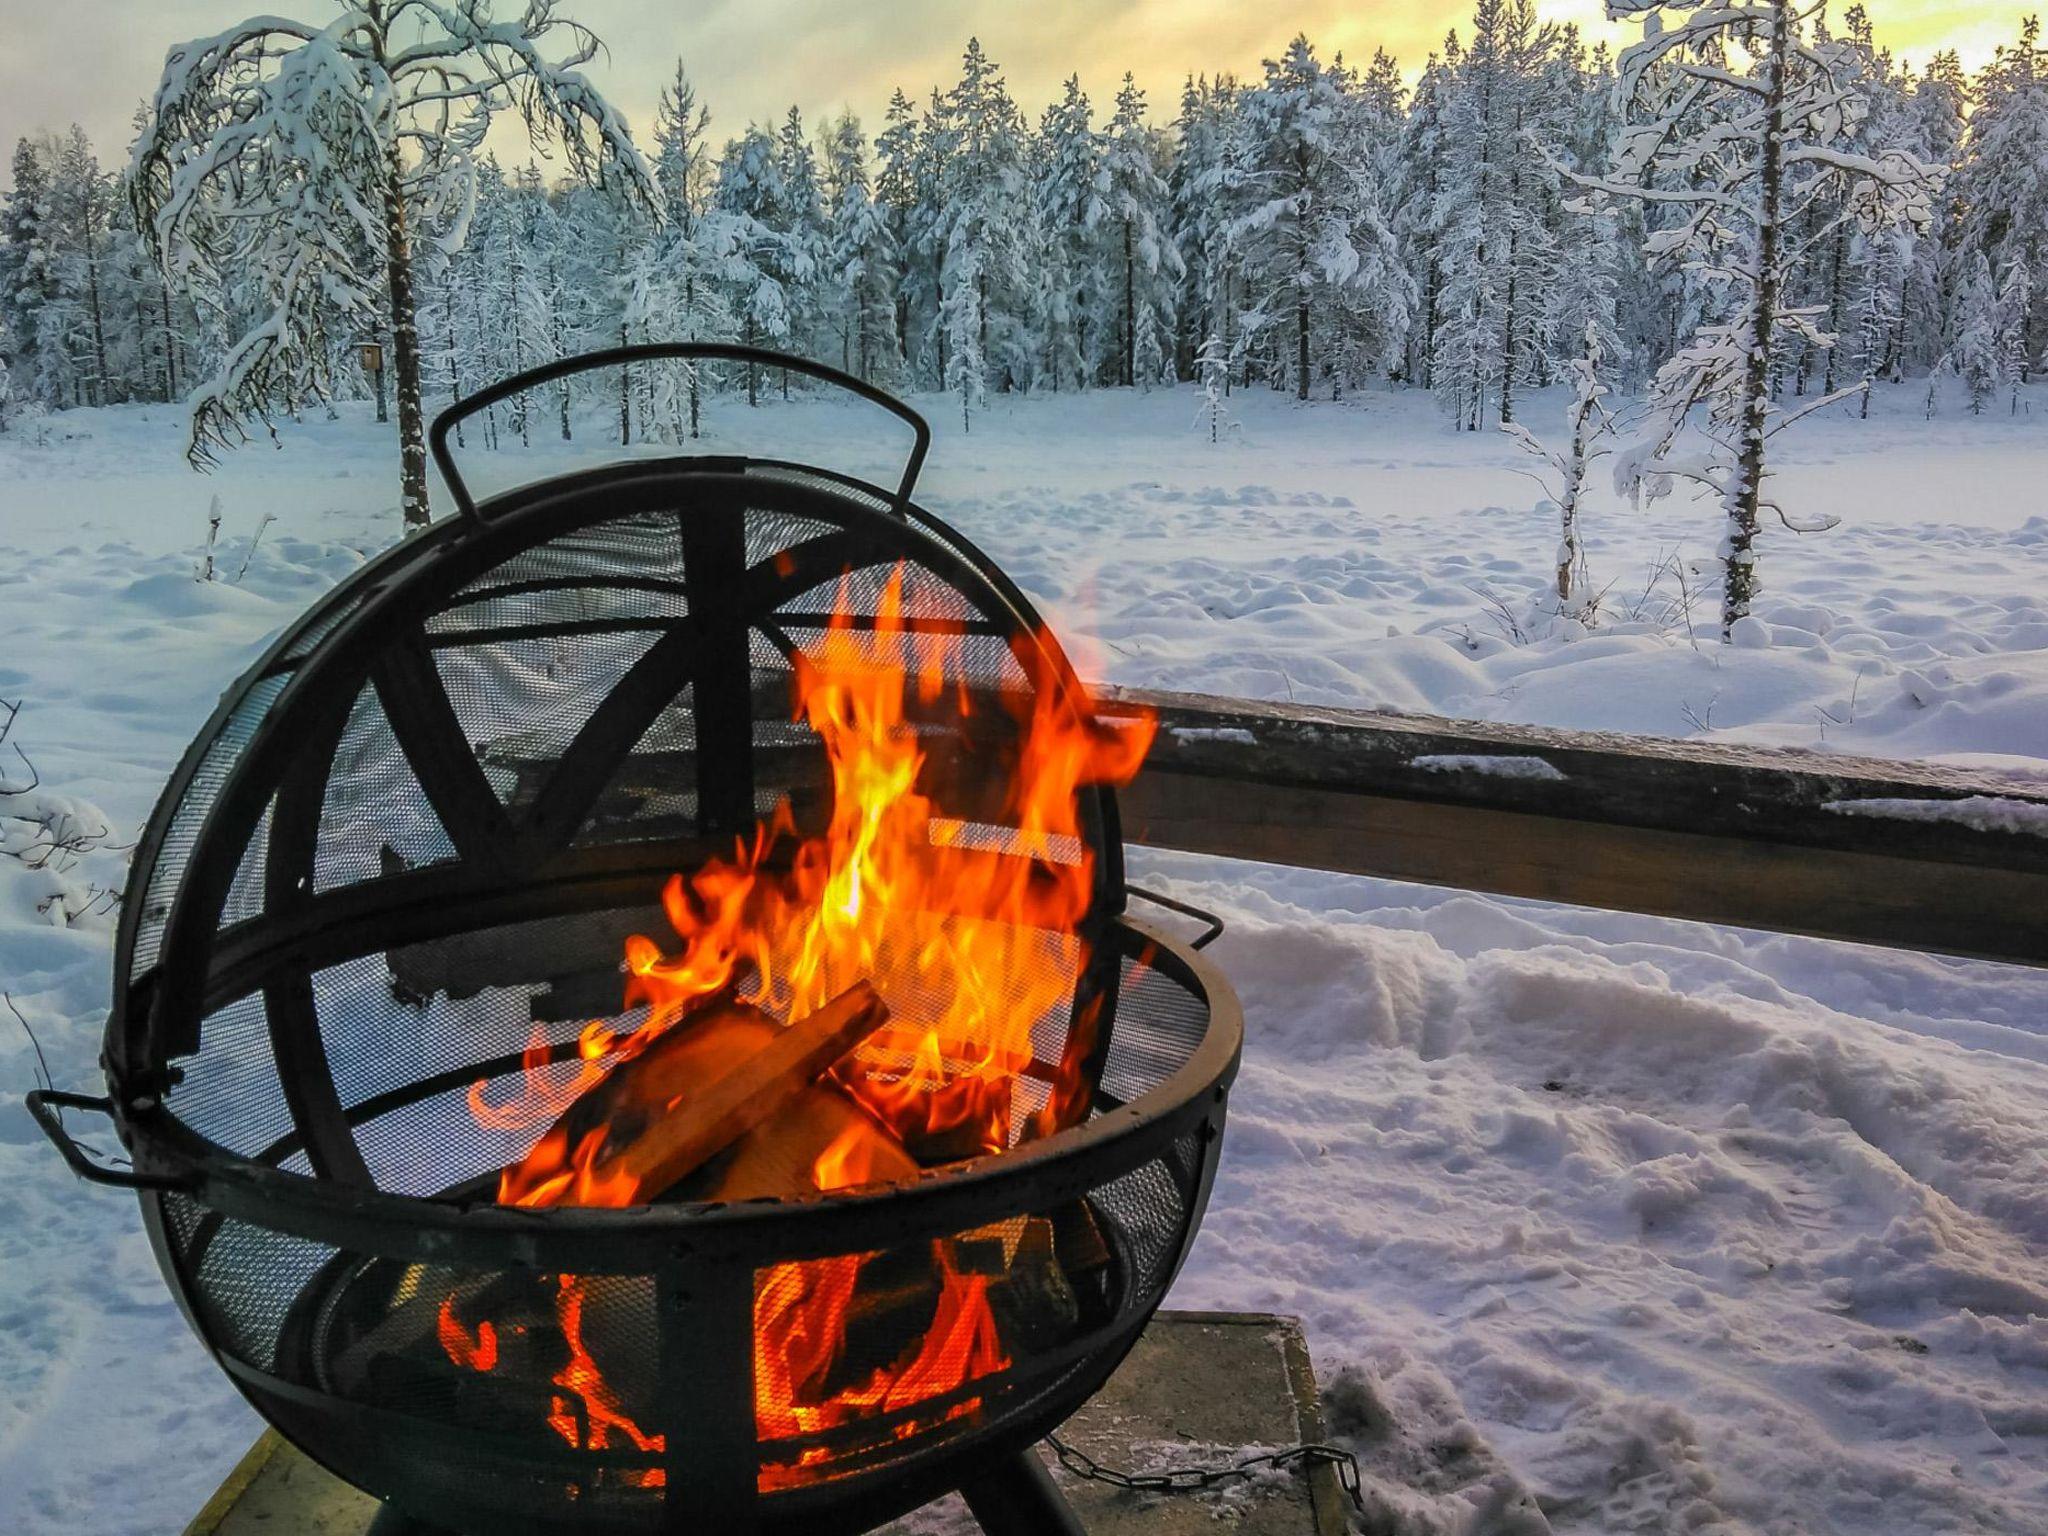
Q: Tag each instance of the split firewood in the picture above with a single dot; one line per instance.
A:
(1034, 1303)
(697, 1090)
(780, 1157)
(1077, 1238)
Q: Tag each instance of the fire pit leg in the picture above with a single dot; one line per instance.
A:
(1017, 1497)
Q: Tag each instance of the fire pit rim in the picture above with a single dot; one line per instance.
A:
(600, 1240)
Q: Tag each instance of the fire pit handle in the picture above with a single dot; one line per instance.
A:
(1185, 909)
(47, 1104)
(660, 351)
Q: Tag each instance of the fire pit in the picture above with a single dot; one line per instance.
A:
(625, 1019)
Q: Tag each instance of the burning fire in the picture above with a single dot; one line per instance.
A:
(969, 929)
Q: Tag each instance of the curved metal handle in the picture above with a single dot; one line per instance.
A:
(659, 351)
(46, 1103)
(1215, 923)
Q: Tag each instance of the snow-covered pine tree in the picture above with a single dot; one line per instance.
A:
(896, 196)
(986, 244)
(2015, 317)
(2006, 184)
(1587, 256)
(1880, 261)
(28, 281)
(765, 264)
(82, 203)
(1424, 211)
(801, 223)
(1201, 188)
(306, 155)
(692, 256)
(1145, 265)
(861, 258)
(1212, 375)
(1751, 142)
(1589, 425)
(1935, 124)
(1498, 253)
(1374, 311)
(961, 326)
(1070, 210)
(1309, 230)
(1978, 358)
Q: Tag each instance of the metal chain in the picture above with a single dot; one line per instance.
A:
(1194, 1479)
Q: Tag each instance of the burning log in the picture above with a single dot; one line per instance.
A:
(702, 1086)
(820, 1140)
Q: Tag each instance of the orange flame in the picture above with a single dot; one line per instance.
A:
(474, 1352)
(966, 925)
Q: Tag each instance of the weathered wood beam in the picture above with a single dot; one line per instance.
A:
(1753, 837)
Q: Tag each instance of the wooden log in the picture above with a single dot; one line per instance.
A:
(705, 1084)
(776, 1159)
(1801, 842)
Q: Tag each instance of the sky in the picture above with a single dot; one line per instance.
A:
(92, 61)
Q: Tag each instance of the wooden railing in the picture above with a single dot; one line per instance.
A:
(1755, 837)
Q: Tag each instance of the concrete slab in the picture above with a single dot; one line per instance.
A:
(1201, 1388)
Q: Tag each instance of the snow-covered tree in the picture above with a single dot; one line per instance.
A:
(860, 258)
(1311, 233)
(1425, 212)
(83, 205)
(1212, 375)
(28, 281)
(1134, 209)
(1201, 188)
(1071, 214)
(1978, 357)
(1735, 130)
(2015, 321)
(897, 198)
(986, 244)
(801, 223)
(765, 265)
(2006, 185)
(305, 156)
(1499, 252)
(1588, 425)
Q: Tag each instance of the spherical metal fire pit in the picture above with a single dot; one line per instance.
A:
(391, 880)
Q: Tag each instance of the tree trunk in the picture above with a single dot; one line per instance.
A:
(696, 388)
(405, 348)
(1511, 319)
(625, 398)
(1130, 312)
(1745, 490)
(170, 347)
(555, 331)
(1838, 254)
(866, 329)
(101, 392)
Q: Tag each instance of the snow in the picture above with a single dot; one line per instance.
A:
(1597, 1222)
(1500, 766)
(1986, 813)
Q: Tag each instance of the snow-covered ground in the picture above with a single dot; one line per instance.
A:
(1599, 1220)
